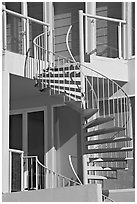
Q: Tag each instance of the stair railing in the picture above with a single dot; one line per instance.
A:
(101, 92)
(37, 176)
(112, 93)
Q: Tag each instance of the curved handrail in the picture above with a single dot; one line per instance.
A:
(80, 64)
(72, 167)
(36, 43)
(68, 43)
(111, 200)
(64, 177)
(110, 96)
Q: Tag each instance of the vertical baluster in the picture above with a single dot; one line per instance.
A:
(10, 164)
(63, 182)
(108, 98)
(86, 93)
(118, 112)
(69, 79)
(58, 76)
(64, 78)
(22, 173)
(69, 183)
(121, 99)
(113, 112)
(28, 172)
(42, 60)
(75, 82)
(54, 74)
(36, 163)
(92, 93)
(98, 93)
(47, 178)
(58, 180)
(103, 84)
(37, 58)
(31, 172)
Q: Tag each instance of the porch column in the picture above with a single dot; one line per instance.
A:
(24, 12)
(127, 14)
(5, 127)
(91, 26)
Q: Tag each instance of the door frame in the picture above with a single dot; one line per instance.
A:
(24, 112)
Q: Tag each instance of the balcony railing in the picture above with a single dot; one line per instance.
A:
(102, 26)
(28, 173)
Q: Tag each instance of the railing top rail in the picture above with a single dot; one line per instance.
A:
(104, 18)
(16, 151)
(57, 173)
(35, 43)
(106, 78)
(111, 200)
(25, 17)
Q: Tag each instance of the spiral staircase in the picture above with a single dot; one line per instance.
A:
(105, 109)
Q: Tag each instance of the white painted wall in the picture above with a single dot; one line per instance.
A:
(116, 69)
(82, 193)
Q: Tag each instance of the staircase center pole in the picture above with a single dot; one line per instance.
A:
(81, 53)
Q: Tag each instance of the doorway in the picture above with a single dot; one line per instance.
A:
(36, 134)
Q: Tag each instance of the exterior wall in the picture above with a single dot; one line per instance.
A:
(116, 69)
(122, 195)
(106, 32)
(67, 135)
(14, 63)
(84, 193)
(66, 14)
(26, 97)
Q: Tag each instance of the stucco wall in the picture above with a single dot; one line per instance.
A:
(122, 195)
(84, 193)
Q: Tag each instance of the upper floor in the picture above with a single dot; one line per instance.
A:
(99, 34)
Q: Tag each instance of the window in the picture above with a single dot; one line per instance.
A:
(35, 10)
(14, 28)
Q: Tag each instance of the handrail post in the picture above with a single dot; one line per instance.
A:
(81, 37)
(22, 173)
(36, 173)
(10, 170)
(4, 28)
(119, 40)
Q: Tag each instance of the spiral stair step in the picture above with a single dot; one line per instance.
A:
(87, 113)
(96, 177)
(108, 140)
(103, 131)
(98, 121)
(108, 159)
(106, 150)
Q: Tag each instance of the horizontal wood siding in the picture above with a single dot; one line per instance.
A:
(107, 32)
(66, 14)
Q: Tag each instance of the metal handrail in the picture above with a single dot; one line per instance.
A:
(25, 17)
(64, 177)
(89, 68)
(48, 170)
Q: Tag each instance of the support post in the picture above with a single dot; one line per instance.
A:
(81, 37)
(4, 28)
(119, 40)
(5, 128)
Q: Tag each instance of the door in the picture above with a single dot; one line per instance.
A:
(15, 143)
(36, 135)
